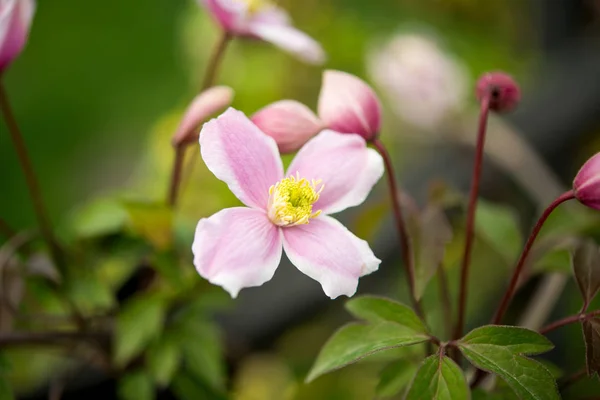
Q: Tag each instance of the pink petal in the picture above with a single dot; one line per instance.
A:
(237, 248)
(242, 156)
(203, 106)
(289, 122)
(289, 39)
(347, 168)
(330, 254)
(232, 15)
(348, 105)
(15, 21)
(587, 183)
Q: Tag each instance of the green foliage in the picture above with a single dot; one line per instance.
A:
(439, 378)
(136, 386)
(591, 335)
(395, 377)
(163, 358)
(151, 221)
(502, 349)
(586, 267)
(354, 341)
(499, 226)
(376, 309)
(139, 321)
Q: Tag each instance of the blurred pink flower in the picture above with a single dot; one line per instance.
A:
(15, 20)
(348, 105)
(263, 20)
(207, 103)
(423, 84)
(242, 246)
(586, 185)
(289, 122)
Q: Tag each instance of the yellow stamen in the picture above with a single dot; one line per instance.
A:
(291, 201)
(256, 5)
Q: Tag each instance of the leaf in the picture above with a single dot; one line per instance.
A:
(98, 218)
(163, 359)
(136, 386)
(499, 226)
(497, 394)
(500, 350)
(439, 378)
(591, 335)
(152, 221)
(354, 341)
(378, 309)
(434, 233)
(516, 339)
(6, 392)
(395, 377)
(138, 322)
(586, 267)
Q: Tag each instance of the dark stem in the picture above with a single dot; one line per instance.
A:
(470, 223)
(208, 81)
(521, 263)
(400, 225)
(568, 320)
(445, 299)
(30, 178)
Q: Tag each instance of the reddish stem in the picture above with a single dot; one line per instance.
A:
(568, 320)
(176, 174)
(400, 224)
(470, 223)
(521, 263)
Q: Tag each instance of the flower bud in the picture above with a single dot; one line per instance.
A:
(289, 122)
(348, 105)
(503, 90)
(202, 107)
(15, 20)
(586, 185)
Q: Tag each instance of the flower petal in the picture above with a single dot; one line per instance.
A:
(230, 14)
(289, 122)
(348, 105)
(347, 168)
(586, 184)
(242, 156)
(237, 248)
(289, 39)
(15, 21)
(330, 254)
(203, 106)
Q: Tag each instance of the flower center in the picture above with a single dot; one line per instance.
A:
(256, 5)
(291, 201)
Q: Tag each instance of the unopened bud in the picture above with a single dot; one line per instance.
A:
(586, 185)
(504, 92)
(15, 20)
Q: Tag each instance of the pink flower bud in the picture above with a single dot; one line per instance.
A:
(289, 122)
(504, 91)
(586, 185)
(202, 107)
(348, 105)
(15, 19)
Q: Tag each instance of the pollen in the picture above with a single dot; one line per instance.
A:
(291, 201)
(256, 5)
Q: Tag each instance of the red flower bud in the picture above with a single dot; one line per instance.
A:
(586, 185)
(504, 92)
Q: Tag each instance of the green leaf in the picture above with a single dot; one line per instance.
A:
(499, 226)
(152, 221)
(101, 217)
(552, 254)
(139, 321)
(395, 377)
(591, 335)
(500, 349)
(379, 309)
(355, 341)
(136, 386)
(586, 267)
(163, 359)
(439, 378)
(516, 339)
(497, 394)
(6, 392)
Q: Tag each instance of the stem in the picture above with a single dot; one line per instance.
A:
(45, 338)
(445, 299)
(400, 225)
(30, 178)
(470, 223)
(210, 75)
(5, 229)
(521, 263)
(572, 379)
(568, 320)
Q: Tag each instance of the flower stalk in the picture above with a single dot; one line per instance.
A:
(567, 321)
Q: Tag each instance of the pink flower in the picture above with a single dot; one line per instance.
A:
(348, 105)
(241, 247)
(15, 19)
(586, 185)
(207, 103)
(263, 20)
(289, 122)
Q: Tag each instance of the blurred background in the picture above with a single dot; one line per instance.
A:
(101, 87)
